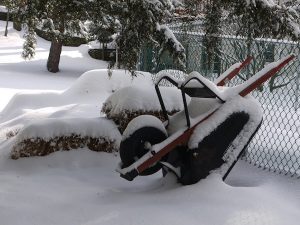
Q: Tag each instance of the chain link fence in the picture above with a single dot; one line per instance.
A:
(276, 146)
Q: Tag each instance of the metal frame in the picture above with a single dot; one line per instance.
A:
(183, 93)
(222, 82)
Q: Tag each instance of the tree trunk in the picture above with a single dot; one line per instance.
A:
(7, 20)
(54, 56)
(103, 54)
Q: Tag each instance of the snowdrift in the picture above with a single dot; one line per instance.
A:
(44, 122)
(45, 136)
(91, 88)
(130, 102)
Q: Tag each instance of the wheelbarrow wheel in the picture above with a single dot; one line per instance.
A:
(137, 144)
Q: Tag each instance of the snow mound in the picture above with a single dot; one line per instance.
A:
(46, 116)
(46, 136)
(95, 82)
(83, 99)
(131, 102)
(136, 98)
(53, 127)
(3, 8)
(91, 87)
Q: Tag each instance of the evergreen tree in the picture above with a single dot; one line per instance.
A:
(261, 18)
(140, 21)
(104, 25)
(212, 28)
(60, 19)
(104, 30)
(11, 5)
(137, 22)
(143, 22)
(249, 18)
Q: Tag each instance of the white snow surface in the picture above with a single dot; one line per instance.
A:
(193, 83)
(54, 127)
(137, 97)
(82, 188)
(83, 98)
(3, 8)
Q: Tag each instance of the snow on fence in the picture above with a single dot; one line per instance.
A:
(276, 146)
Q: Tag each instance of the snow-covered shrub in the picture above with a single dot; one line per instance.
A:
(130, 102)
(40, 147)
(45, 136)
(11, 133)
(38, 123)
(123, 118)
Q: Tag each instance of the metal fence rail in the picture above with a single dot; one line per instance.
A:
(276, 146)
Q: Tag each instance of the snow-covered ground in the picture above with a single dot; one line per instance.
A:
(81, 187)
(33, 75)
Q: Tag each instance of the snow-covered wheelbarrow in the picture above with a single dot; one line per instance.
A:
(210, 134)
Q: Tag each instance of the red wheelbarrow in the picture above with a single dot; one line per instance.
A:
(209, 134)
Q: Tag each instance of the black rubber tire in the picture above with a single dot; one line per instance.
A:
(133, 147)
(197, 163)
(174, 157)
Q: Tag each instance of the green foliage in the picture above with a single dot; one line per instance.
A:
(141, 24)
(264, 18)
(66, 40)
(104, 28)
(251, 20)
(61, 19)
(29, 44)
(11, 5)
(212, 29)
(132, 22)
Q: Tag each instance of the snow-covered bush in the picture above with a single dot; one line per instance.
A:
(43, 137)
(38, 123)
(130, 102)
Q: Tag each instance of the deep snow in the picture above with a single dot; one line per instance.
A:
(81, 187)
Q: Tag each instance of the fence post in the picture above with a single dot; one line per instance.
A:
(249, 45)
(117, 56)
(297, 103)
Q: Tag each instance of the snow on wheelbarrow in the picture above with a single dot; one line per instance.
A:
(209, 134)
